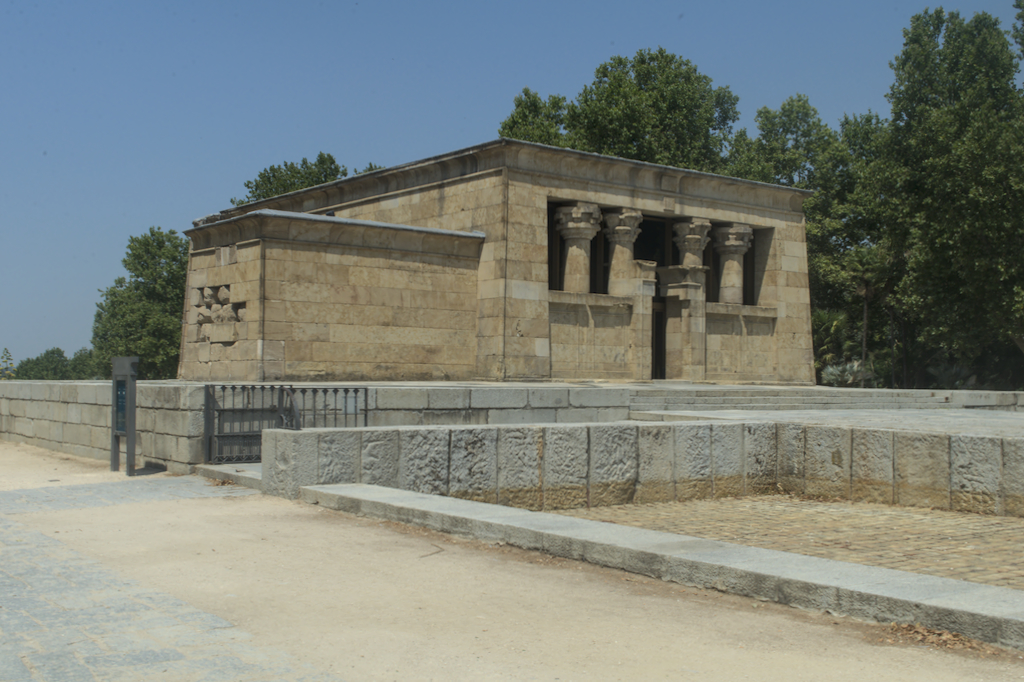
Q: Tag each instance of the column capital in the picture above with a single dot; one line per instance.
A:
(579, 221)
(622, 225)
(691, 236)
(733, 239)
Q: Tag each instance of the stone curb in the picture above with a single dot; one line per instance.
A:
(247, 475)
(990, 614)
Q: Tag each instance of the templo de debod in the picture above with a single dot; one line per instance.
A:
(505, 261)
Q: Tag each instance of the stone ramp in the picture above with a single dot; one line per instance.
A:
(984, 612)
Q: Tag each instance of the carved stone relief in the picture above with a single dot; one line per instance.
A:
(213, 306)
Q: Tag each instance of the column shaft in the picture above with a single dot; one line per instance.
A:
(577, 224)
(731, 243)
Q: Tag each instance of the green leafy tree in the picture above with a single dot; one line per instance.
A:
(833, 339)
(289, 177)
(792, 140)
(535, 119)
(50, 365)
(54, 365)
(953, 181)
(82, 366)
(868, 269)
(141, 315)
(6, 366)
(655, 107)
(370, 167)
(1018, 26)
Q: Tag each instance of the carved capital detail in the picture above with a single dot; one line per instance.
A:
(733, 239)
(580, 221)
(622, 225)
(691, 236)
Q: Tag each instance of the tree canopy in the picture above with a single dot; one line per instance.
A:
(141, 315)
(952, 182)
(290, 177)
(654, 107)
(54, 365)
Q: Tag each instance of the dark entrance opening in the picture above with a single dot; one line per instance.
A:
(654, 243)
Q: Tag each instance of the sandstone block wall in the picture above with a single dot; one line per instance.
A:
(223, 313)
(275, 296)
(741, 343)
(593, 335)
(332, 313)
(475, 201)
(74, 417)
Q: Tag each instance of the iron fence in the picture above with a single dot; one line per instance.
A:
(237, 414)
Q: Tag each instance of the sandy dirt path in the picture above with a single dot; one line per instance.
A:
(369, 600)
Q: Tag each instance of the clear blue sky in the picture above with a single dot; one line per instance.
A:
(115, 116)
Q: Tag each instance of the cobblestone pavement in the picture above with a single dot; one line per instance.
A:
(67, 618)
(981, 549)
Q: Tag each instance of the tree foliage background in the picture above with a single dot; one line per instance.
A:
(290, 177)
(141, 315)
(915, 232)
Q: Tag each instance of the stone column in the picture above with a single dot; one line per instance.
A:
(731, 243)
(577, 224)
(691, 236)
(622, 225)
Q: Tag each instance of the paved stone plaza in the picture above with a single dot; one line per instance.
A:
(67, 618)
(176, 578)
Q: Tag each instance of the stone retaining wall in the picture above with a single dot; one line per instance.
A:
(576, 465)
(74, 417)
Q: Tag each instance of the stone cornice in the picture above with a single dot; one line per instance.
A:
(533, 158)
(270, 224)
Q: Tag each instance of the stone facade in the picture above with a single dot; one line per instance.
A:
(505, 261)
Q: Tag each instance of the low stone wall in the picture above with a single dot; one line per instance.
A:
(576, 465)
(436, 405)
(74, 417)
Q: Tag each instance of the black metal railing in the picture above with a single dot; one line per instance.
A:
(237, 414)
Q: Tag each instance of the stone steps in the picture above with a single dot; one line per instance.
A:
(789, 400)
(775, 407)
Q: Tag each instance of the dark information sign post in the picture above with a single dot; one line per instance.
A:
(122, 418)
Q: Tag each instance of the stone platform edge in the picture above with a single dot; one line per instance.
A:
(983, 612)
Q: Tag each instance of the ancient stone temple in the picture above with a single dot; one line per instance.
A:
(505, 261)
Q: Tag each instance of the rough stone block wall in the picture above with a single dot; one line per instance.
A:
(74, 417)
(563, 466)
